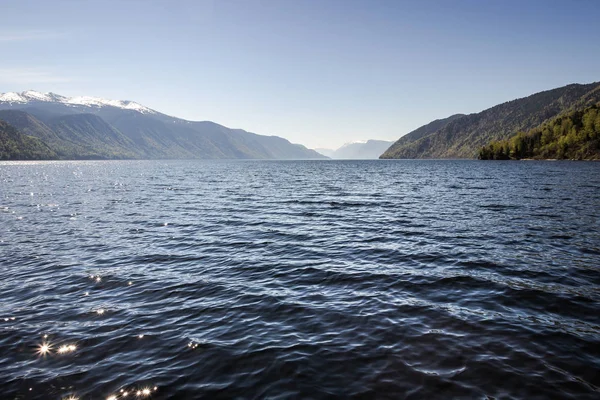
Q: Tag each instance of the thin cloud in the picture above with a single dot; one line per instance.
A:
(19, 36)
(22, 76)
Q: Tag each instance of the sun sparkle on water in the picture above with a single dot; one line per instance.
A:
(67, 349)
(44, 349)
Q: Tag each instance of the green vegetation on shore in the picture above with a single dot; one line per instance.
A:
(464, 136)
(574, 136)
(17, 146)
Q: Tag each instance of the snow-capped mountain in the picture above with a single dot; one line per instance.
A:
(31, 96)
(95, 128)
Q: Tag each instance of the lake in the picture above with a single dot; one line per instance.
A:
(300, 279)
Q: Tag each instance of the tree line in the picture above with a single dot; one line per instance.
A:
(574, 135)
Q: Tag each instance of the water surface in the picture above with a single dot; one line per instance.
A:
(300, 279)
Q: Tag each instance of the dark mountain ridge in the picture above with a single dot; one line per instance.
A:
(114, 129)
(75, 136)
(15, 145)
(422, 131)
(462, 137)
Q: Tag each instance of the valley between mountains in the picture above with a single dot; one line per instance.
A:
(38, 125)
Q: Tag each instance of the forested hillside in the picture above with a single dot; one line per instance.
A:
(396, 149)
(574, 135)
(463, 137)
(16, 146)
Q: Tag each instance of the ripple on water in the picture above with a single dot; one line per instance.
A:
(299, 279)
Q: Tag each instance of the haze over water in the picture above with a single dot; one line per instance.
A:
(300, 279)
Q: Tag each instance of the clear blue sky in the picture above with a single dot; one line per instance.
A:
(317, 72)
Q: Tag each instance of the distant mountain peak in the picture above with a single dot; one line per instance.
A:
(358, 149)
(32, 96)
(354, 142)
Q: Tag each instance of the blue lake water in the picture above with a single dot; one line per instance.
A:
(300, 279)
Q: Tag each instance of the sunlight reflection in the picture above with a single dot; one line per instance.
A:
(143, 392)
(44, 349)
(67, 349)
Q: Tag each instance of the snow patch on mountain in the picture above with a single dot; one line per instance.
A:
(99, 102)
(12, 98)
(29, 96)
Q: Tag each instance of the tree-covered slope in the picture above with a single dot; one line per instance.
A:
(574, 135)
(463, 137)
(93, 137)
(274, 147)
(162, 136)
(76, 136)
(129, 130)
(417, 134)
(17, 146)
(29, 125)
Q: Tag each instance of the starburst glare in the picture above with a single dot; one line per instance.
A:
(44, 348)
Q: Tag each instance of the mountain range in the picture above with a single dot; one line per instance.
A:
(47, 125)
(462, 136)
(369, 149)
(95, 128)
